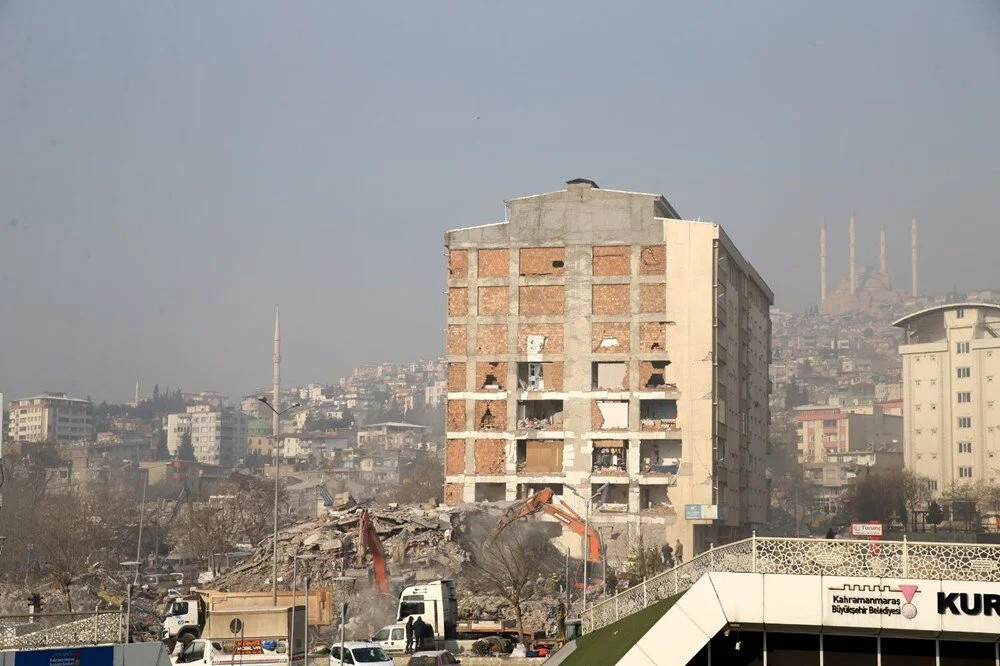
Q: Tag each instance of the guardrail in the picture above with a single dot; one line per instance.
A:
(832, 557)
(61, 629)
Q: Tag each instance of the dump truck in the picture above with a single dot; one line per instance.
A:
(248, 636)
(185, 617)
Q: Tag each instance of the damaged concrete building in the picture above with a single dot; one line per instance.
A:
(596, 338)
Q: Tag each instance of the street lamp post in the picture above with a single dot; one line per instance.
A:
(586, 534)
(277, 467)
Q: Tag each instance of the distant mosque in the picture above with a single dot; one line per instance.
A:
(869, 289)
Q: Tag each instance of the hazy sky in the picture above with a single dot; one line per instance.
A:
(169, 171)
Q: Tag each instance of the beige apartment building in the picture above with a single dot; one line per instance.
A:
(826, 430)
(951, 393)
(596, 338)
(51, 417)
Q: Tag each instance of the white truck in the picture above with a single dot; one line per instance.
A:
(436, 603)
(186, 616)
(204, 652)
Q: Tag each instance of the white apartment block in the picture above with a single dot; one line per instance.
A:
(595, 337)
(51, 417)
(951, 393)
(219, 437)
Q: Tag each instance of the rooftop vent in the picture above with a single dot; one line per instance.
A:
(581, 184)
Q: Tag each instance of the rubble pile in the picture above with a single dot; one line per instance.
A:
(420, 543)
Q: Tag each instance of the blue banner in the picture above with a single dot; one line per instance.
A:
(99, 655)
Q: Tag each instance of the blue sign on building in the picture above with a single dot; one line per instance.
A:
(98, 655)
(692, 512)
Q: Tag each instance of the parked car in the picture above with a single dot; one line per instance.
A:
(391, 638)
(359, 652)
(432, 658)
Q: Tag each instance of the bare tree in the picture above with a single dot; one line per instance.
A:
(208, 531)
(251, 506)
(510, 561)
(65, 537)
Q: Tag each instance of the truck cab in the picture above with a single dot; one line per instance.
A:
(435, 602)
(185, 618)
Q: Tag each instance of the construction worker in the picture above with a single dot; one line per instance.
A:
(409, 634)
(679, 552)
(419, 631)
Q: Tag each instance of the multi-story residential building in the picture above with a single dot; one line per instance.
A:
(951, 392)
(596, 338)
(385, 436)
(436, 393)
(218, 436)
(832, 478)
(51, 417)
(826, 429)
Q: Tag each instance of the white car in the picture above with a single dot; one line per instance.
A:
(359, 652)
(391, 638)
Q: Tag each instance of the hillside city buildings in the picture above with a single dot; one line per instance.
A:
(951, 392)
(596, 338)
(51, 417)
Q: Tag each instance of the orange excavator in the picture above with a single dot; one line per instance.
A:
(370, 543)
(542, 501)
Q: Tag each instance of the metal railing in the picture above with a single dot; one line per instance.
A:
(832, 557)
(62, 629)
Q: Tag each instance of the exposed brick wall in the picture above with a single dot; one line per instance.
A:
(541, 299)
(455, 420)
(458, 263)
(553, 337)
(494, 263)
(618, 330)
(497, 418)
(491, 457)
(453, 493)
(457, 338)
(493, 301)
(458, 304)
(652, 336)
(492, 339)
(497, 370)
(652, 298)
(653, 260)
(553, 376)
(611, 260)
(542, 261)
(610, 299)
(454, 461)
(456, 376)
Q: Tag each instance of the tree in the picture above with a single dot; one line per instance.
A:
(512, 559)
(208, 532)
(251, 507)
(425, 481)
(160, 451)
(934, 514)
(185, 451)
(65, 538)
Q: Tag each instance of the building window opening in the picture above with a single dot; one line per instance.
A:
(655, 499)
(658, 414)
(609, 376)
(491, 492)
(610, 456)
(540, 415)
(659, 457)
(615, 497)
(540, 456)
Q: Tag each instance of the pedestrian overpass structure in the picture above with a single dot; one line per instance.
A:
(812, 601)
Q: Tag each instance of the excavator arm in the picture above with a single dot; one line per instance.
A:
(370, 543)
(542, 501)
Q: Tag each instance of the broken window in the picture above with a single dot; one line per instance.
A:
(491, 492)
(543, 456)
(488, 420)
(655, 499)
(611, 415)
(613, 499)
(609, 456)
(531, 376)
(659, 456)
(658, 414)
(654, 373)
(609, 376)
(540, 415)
(492, 376)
